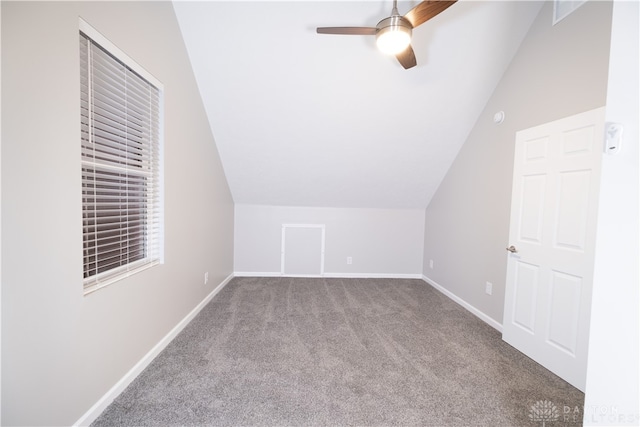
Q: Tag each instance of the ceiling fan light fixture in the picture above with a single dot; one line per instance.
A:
(393, 35)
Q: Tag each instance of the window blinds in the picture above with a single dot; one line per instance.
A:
(120, 156)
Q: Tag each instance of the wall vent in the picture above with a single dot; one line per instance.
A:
(564, 8)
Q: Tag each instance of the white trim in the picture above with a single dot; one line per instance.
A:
(96, 36)
(488, 320)
(115, 275)
(317, 276)
(257, 274)
(322, 237)
(373, 275)
(94, 412)
(332, 275)
(0, 217)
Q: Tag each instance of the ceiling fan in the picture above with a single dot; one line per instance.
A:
(393, 34)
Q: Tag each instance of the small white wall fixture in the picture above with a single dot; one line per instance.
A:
(302, 250)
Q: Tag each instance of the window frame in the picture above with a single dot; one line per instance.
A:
(153, 240)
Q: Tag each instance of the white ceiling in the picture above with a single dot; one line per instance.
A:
(302, 119)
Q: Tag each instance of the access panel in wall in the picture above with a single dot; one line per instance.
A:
(302, 250)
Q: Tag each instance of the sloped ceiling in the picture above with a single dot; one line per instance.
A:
(302, 119)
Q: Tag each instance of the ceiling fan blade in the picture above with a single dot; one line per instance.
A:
(407, 58)
(427, 10)
(358, 31)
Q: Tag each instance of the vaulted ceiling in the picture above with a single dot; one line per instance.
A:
(302, 119)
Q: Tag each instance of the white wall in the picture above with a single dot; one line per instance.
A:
(558, 71)
(0, 214)
(381, 242)
(612, 396)
(62, 351)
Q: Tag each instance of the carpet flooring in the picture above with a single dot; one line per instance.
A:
(339, 352)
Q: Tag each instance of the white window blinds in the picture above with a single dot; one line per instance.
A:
(120, 138)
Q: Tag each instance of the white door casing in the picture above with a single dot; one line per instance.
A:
(553, 222)
(302, 253)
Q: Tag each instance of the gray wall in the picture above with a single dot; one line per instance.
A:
(559, 71)
(62, 351)
(381, 242)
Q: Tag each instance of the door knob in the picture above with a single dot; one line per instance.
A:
(512, 249)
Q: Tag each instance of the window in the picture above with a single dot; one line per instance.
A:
(121, 163)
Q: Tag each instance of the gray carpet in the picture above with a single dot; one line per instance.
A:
(316, 352)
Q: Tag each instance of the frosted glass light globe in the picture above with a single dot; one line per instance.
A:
(393, 35)
(393, 42)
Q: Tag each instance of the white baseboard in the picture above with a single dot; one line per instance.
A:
(332, 275)
(488, 320)
(372, 276)
(257, 274)
(95, 411)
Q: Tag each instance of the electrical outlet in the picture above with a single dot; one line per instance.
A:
(206, 277)
(488, 288)
(431, 264)
(349, 260)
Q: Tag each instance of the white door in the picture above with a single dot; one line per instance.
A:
(302, 250)
(551, 242)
